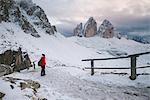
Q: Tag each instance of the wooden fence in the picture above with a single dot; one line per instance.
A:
(132, 64)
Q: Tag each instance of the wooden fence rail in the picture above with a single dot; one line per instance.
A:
(117, 67)
(132, 59)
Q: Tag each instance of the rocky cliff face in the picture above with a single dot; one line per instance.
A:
(106, 29)
(26, 14)
(78, 30)
(90, 28)
(11, 61)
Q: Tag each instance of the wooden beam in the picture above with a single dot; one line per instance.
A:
(138, 54)
(92, 67)
(108, 68)
(104, 58)
(133, 68)
(143, 67)
(116, 67)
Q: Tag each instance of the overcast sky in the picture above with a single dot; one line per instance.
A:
(125, 15)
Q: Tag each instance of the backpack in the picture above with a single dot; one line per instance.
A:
(40, 62)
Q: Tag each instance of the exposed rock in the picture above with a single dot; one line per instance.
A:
(118, 35)
(33, 84)
(40, 18)
(11, 79)
(78, 30)
(29, 84)
(54, 28)
(106, 29)
(12, 87)
(5, 6)
(90, 28)
(23, 83)
(27, 27)
(13, 61)
(1, 95)
(5, 69)
(28, 15)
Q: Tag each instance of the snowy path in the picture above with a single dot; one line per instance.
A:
(76, 88)
(68, 84)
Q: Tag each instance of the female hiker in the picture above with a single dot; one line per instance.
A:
(42, 63)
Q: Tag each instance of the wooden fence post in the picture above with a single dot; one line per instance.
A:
(34, 65)
(92, 67)
(133, 68)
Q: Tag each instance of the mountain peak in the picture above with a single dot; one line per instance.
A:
(78, 30)
(106, 29)
(27, 15)
(90, 28)
(107, 23)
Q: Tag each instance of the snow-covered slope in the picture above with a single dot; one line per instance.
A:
(142, 38)
(55, 46)
(68, 51)
(114, 47)
(65, 77)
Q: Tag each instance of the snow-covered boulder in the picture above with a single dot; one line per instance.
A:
(26, 14)
(28, 84)
(1, 95)
(5, 69)
(78, 30)
(90, 28)
(106, 29)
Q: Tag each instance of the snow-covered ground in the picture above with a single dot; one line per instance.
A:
(66, 78)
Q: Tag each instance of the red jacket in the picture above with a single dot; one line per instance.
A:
(43, 61)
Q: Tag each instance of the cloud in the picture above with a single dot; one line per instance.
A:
(124, 14)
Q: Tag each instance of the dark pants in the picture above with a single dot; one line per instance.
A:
(43, 71)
